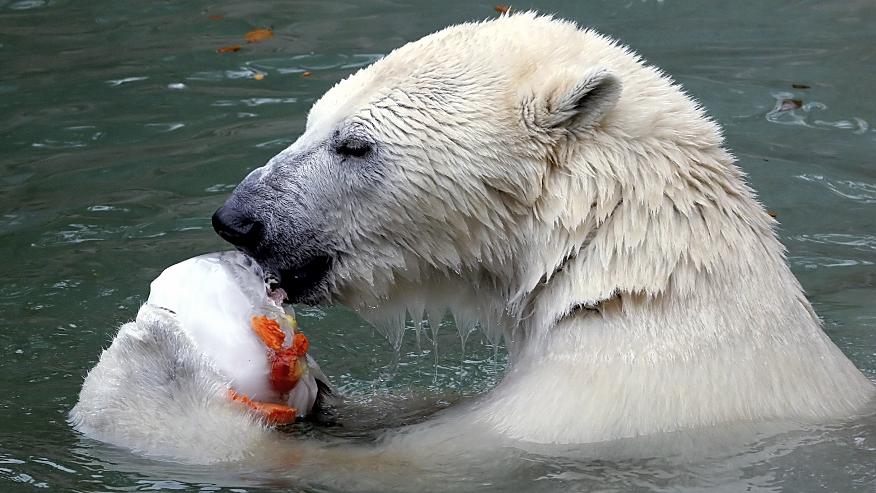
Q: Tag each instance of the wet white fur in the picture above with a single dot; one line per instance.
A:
(154, 392)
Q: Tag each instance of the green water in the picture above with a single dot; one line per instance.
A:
(122, 129)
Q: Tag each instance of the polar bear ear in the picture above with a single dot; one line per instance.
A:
(585, 104)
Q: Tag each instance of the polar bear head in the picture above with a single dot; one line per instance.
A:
(467, 168)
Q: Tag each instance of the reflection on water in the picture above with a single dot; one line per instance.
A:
(123, 129)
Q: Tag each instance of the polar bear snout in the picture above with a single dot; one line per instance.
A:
(270, 223)
(237, 227)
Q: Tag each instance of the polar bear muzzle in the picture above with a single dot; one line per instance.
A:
(302, 275)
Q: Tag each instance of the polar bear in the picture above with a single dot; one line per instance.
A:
(543, 180)
(539, 181)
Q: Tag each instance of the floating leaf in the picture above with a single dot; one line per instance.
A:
(502, 9)
(790, 104)
(773, 214)
(306, 73)
(216, 17)
(259, 35)
(800, 86)
(228, 49)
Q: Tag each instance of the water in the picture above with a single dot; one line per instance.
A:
(122, 130)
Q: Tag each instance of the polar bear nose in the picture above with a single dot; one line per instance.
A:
(237, 227)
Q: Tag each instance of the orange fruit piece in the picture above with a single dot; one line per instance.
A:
(287, 363)
(273, 414)
(228, 49)
(286, 370)
(300, 344)
(269, 332)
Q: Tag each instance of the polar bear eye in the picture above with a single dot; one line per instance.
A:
(353, 148)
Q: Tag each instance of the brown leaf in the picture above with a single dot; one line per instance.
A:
(790, 104)
(306, 73)
(228, 49)
(800, 86)
(216, 17)
(259, 35)
(773, 214)
(502, 9)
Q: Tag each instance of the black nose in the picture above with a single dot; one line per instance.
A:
(236, 227)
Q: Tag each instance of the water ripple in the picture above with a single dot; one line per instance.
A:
(812, 263)
(790, 111)
(20, 477)
(253, 102)
(28, 4)
(166, 127)
(280, 143)
(311, 61)
(106, 208)
(118, 82)
(58, 144)
(853, 190)
(218, 75)
(54, 465)
(78, 233)
(858, 242)
(294, 65)
(220, 188)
